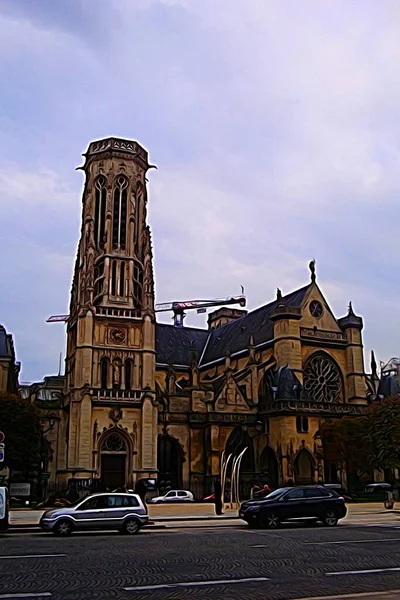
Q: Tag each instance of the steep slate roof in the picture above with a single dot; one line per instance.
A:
(235, 335)
(174, 344)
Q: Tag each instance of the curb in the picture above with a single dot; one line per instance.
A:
(153, 521)
(37, 529)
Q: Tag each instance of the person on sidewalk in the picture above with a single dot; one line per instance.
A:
(218, 496)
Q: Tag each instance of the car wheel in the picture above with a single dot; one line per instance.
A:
(330, 518)
(63, 528)
(131, 527)
(271, 520)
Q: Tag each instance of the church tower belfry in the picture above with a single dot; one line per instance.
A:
(110, 362)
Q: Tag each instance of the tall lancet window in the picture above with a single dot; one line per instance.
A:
(114, 278)
(128, 373)
(100, 197)
(138, 208)
(122, 280)
(119, 218)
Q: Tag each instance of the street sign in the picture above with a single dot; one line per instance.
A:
(2, 437)
(2, 453)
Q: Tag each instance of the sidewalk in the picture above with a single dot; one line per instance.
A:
(158, 514)
(162, 515)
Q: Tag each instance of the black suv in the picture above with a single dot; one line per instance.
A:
(300, 503)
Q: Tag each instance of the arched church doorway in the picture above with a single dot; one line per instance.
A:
(169, 463)
(269, 467)
(238, 440)
(114, 461)
(304, 468)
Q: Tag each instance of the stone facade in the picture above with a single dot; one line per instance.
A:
(144, 398)
(109, 405)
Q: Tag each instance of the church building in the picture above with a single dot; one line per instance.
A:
(146, 399)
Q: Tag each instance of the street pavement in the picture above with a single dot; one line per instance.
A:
(169, 515)
(218, 559)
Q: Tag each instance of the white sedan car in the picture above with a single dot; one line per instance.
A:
(174, 496)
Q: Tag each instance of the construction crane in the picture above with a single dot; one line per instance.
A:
(178, 308)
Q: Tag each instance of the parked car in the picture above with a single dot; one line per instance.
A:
(374, 492)
(124, 512)
(377, 488)
(299, 503)
(4, 509)
(174, 496)
(337, 487)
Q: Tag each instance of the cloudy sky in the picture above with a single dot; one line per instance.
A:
(275, 126)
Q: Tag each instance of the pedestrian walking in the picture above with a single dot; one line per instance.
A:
(218, 496)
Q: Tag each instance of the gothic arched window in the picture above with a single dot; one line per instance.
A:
(122, 280)
(119, 217)
(128, 373)
(323, 379)
(265, 387)
(100, 210)
(138, 210)
(104, 363)
(114, 443)
(114, 278)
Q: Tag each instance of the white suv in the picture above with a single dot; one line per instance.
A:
(125, 512)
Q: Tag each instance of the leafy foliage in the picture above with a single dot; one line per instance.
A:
(25, 445)
(345, 442)
(383, 433)
(368, 442)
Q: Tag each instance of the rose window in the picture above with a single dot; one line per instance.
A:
(114, 443)
(316, 309)
(322, 380)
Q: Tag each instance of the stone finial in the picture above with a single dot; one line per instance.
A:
(311, 266)
(227, 359)
(278, 294)
(252, 350)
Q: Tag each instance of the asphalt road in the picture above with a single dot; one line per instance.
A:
(218, 562)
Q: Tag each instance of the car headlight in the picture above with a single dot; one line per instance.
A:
(49, 514)
(253, 508)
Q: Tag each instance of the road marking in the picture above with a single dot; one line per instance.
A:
(261, 546)
(22, 595)
(365, 572)
(165, 586)
(361, 595)
(30, 556)
(379, 540)
(393, 525)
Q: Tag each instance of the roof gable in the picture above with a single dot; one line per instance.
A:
(327, 321)
(230, 396)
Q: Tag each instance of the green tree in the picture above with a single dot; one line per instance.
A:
(383, 433)
(368, 442)
(25, 444)
(346, 443)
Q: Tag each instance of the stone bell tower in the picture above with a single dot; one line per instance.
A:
(110, 362)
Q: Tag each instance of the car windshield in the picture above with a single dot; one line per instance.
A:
(73, 504)
(276, 493)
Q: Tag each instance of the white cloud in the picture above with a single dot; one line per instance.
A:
(275, 128)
